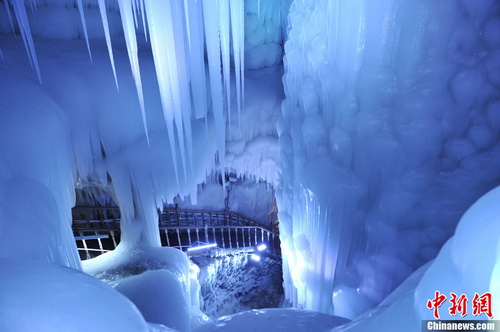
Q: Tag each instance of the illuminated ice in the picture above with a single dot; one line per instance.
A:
(388, 117)
(389, 132)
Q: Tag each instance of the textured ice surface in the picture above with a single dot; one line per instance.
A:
(159, 281)
(469, 261)
(252, 199)
(395, 313)
(252, 152)
(233, 283)
(477, 233)
(265, 25)
(387, 136)
(121, 263)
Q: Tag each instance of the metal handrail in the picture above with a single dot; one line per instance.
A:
(178, 228)
(229, 218)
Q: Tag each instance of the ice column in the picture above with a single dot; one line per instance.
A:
(36, 175)
(387, 136)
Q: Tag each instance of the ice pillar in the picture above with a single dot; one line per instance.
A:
(387, 113)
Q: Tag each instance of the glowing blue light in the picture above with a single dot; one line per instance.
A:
(261, 247)
(255, 257)
(205, 246)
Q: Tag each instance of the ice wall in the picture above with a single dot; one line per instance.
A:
(252, 152)
(265, 32)
(36, 175)
(389, 132)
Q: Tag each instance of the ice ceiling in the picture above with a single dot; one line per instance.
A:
(387, 113)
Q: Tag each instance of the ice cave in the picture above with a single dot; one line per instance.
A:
(249, 165)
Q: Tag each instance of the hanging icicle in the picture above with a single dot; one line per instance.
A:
(131, 41)
(181, 38)
(175, 63)
(24, 27)
(155, 11)
(238, 41)
(105, 24)
(143, 16)
(197, 58)
(179, 31)
(223, 6)
(9, 15)
(210, 18)
(84, 25)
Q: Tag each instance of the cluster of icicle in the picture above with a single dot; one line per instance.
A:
(178, 31)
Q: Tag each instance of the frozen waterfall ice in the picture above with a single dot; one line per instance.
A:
(375, 122)
(385, 125)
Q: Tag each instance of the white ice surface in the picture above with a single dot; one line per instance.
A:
(40, 296)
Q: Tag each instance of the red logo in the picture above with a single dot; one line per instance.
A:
(481, 304)
(436, 303)
(459, 304)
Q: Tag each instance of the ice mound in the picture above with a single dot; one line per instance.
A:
(39, 296)
(159, 297)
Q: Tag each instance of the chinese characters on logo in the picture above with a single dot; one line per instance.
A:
(481, 304)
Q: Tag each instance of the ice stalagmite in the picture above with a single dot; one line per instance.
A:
(105, 24)
(84, 25)
(130, 39)
(24, 26)
(210, 17)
